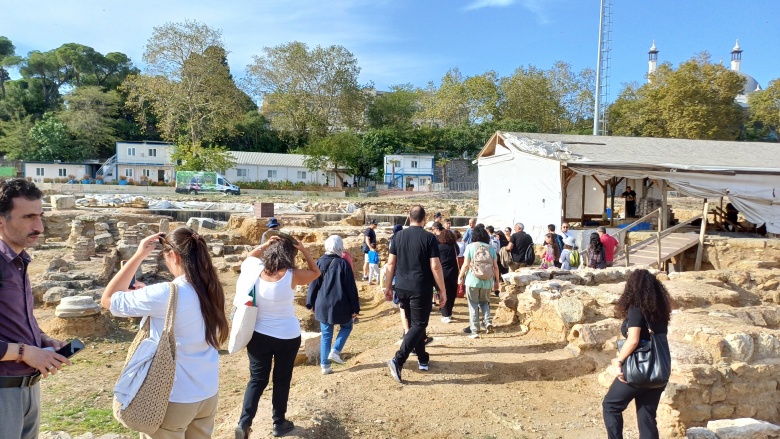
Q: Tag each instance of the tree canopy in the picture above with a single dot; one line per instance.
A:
(694, 101)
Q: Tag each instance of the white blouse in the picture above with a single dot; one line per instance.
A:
(197, 362)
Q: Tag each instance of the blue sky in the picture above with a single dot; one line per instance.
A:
(416, 41)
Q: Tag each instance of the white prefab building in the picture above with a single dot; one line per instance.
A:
(409, 171)
(274, 167)
(40, 170)
(138, 159)
(541, 179)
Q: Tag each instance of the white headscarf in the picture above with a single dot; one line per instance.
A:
(334, 245)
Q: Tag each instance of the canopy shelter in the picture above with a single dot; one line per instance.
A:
(541, 179)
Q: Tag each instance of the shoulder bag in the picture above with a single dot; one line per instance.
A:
(146, 411)
(650, 365)
(242, 326)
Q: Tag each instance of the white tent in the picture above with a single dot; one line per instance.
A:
(541, 179)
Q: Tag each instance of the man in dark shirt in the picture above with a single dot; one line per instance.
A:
(369, 243)
(23, 361)
(518, 245)
(630, 197)
(414, 260)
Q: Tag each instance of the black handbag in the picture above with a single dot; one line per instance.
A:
(650, 365)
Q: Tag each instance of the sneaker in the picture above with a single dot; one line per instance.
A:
(326, 370)
(365, 278)
(395, 371)
(422, 366)
(446, 319)
(467, 330)
(334, 356)
(283, 428)
(428, 340)
(489, 328)
(474, 335)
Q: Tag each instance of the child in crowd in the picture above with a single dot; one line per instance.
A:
(373, 266)
(570, 257)
(551, 251)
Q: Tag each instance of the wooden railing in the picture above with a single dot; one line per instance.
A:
(626, 229)
(657, 238)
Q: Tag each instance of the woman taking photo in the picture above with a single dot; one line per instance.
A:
(200, 325)
(277, 335)
(448, 255)
(644, 301)
(333, 297)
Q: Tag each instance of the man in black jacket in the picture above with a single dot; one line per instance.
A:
(414, 260)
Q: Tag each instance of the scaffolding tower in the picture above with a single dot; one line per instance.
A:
(601, 107)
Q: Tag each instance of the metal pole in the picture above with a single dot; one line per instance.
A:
(700, 250)
(596, 115)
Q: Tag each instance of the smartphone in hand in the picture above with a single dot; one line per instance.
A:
(132, 281)
(75, 346)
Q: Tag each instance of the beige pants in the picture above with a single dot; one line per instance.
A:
(187, 421)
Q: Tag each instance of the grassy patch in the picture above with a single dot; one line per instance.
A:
(78, 416)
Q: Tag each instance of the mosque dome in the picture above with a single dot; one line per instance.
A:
(750, 84)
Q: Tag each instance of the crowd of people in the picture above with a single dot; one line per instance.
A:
(422, 265)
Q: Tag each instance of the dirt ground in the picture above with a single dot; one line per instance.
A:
(502, 385)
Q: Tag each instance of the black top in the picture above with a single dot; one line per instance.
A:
(371, 236)
(333, 295)
(520, 242)
(630, 196)
(414, 248)
(634, 319)
(448, 254)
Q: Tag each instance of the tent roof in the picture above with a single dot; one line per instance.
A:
(647, 152)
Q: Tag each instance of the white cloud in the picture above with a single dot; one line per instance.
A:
(479, 4)
(537, 7)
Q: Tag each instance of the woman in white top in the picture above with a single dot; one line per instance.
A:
(277, 334)
(200, 325)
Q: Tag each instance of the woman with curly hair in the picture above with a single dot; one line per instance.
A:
(645, 302)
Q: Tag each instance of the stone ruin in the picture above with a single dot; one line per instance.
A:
(724, 337)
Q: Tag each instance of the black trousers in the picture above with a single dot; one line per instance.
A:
(417, 306)
(452, 292)
(617, 399)
(261, 350)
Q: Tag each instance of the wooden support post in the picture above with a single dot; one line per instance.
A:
(658, 238)
(582, 221)
(700, 250)
(681, 256)
(625, 252)
(664, 206)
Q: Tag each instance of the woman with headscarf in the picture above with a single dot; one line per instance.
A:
(595, 255)
(333, 297)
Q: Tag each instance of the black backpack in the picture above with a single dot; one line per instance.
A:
(530, 255)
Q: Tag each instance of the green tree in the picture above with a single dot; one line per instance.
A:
(308, 91)
(253, 133)
(396, 108)
(198, 158)
(764, 107)
(694, 101)
(8, 59)
(52, 142)
(188, 88)
(91, 119)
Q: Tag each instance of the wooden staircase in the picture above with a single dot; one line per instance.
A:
(646, 252)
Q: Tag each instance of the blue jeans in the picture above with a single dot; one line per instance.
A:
(327, 339)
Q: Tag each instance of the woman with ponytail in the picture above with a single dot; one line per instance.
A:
(200, 325)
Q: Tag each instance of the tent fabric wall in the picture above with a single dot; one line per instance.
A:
(594, 197)
(520, 187)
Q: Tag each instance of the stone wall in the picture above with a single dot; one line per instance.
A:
(724, 334)
(459, 171)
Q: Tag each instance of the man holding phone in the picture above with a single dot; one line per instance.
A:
(23, 359)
